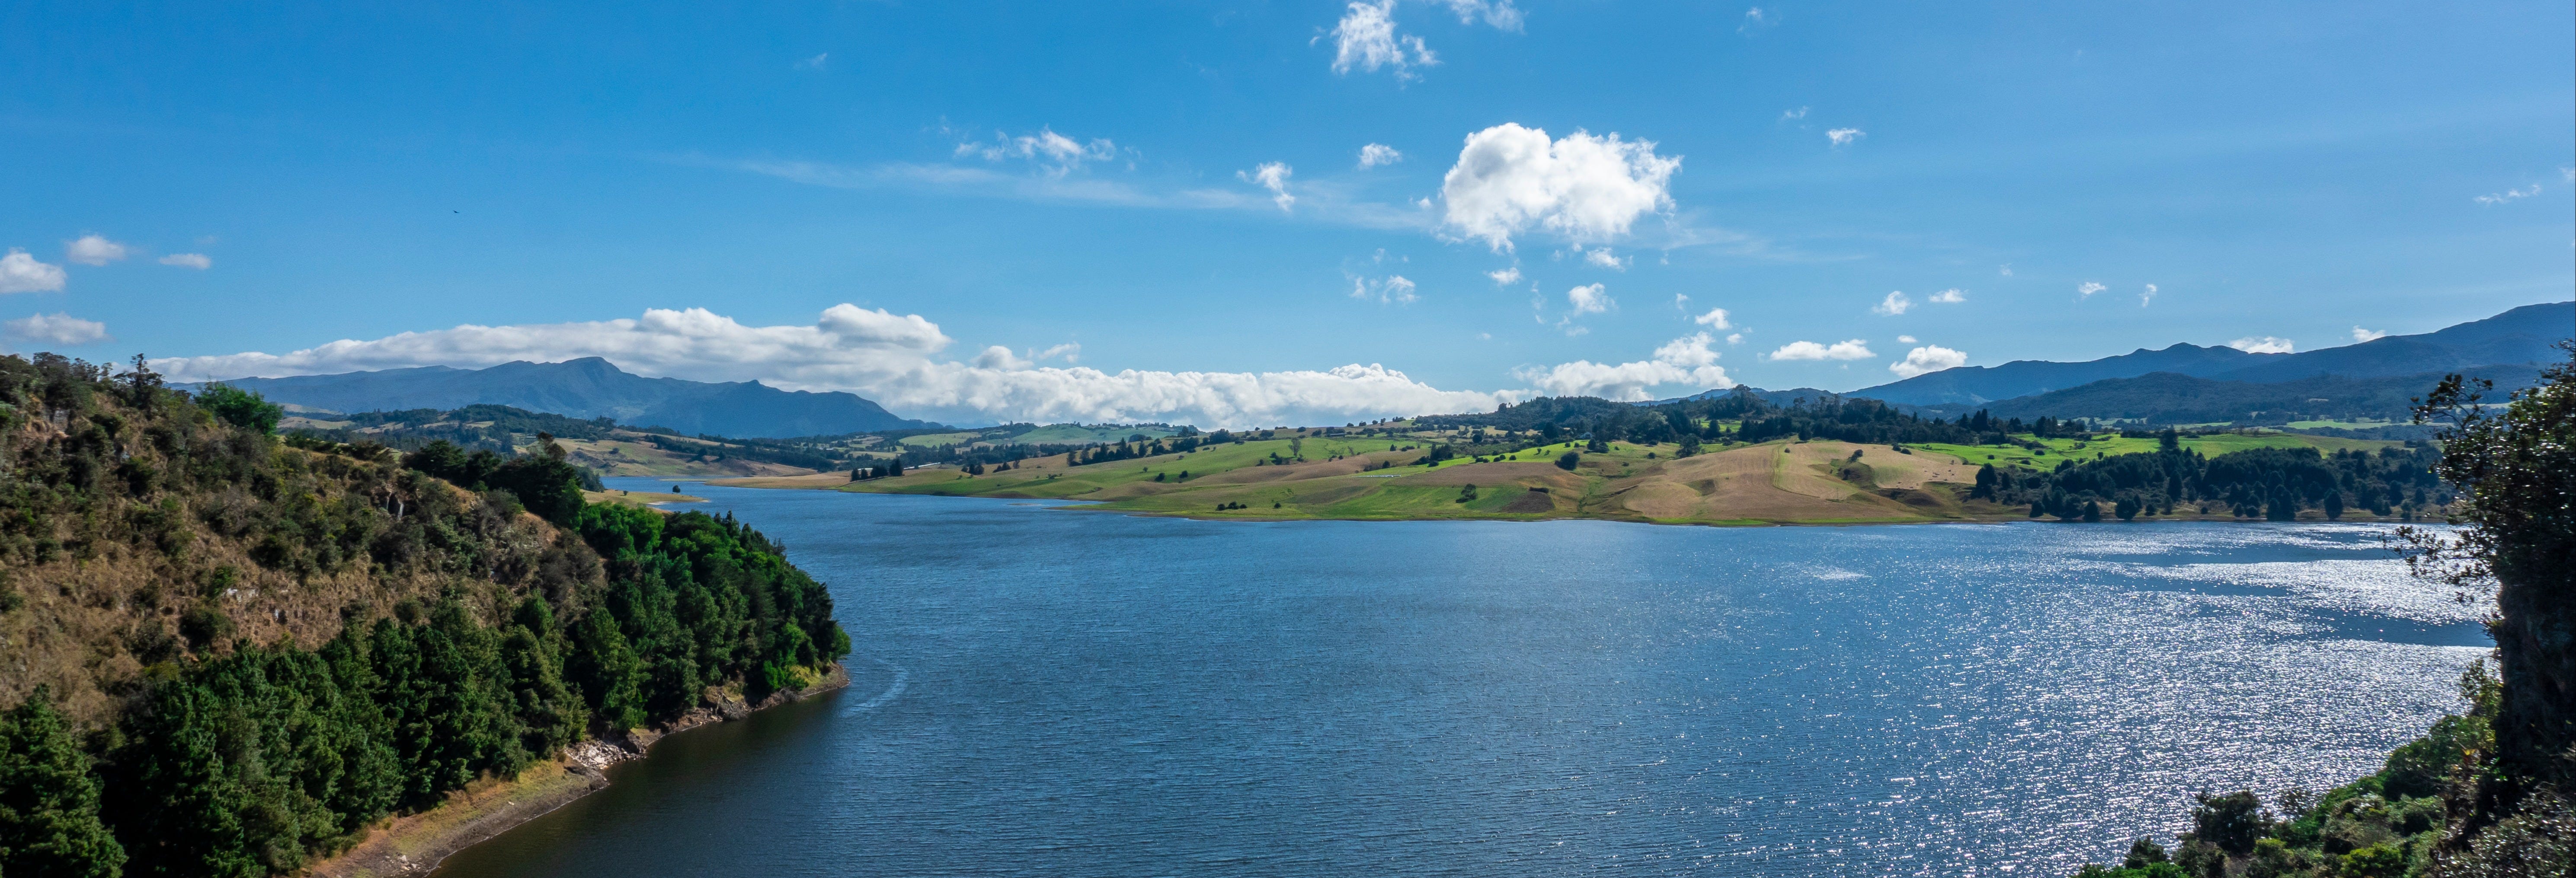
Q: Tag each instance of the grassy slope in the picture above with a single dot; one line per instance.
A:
(1340, 479)
(623, 456)
(2210, 445)
(1777, 482)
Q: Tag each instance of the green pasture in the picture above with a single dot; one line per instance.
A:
(937, 439)
(2209, 445)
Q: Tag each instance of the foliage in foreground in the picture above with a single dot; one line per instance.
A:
(492, 639)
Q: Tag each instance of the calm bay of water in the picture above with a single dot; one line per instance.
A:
(1060, 693)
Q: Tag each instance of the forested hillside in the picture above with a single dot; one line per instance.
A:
(229, 655)
(2268, 483)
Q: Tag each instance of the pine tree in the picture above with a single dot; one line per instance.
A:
(49, 802)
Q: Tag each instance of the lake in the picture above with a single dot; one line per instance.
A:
(1041, 691)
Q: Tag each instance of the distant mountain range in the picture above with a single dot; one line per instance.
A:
(2170, 398)
(591, 387)
(2522, 336)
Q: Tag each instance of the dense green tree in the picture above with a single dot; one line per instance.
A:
(2516, 470)
(49, 800)
(241, 408)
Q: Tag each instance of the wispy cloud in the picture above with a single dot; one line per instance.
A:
(1845, 136)
(1390, 290)
(198, 261)
(1505, 276)
(1793, 115)
(2263, 344)
(1377, 154)
(2360, 335)
(2147, 295)
(1499, 13)
(1715, 319)
(2088, 288)
(1757, 19)
(1274, 177)
(1602, 257)
(1951, 296)
(1365, 39)
(1896, 303)
(2509, 195)
(816, 62)
(1057, 153)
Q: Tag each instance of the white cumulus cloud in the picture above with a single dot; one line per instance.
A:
(197, 261)
(1845, 136)
(2360, 335)
(1365, 39)
(2147, 295)
(1057, 153)
(890, 358)
(21, 273)
(93, 250)
(1588, 299)
(1854, 349)
(2088, 288)
(2262, 345)
(1896, 303)
(1904, 339)
(1951, 296)
(1926, 359)
(1715, 319)
(1274, 177)
(1601, 256)
(1505, 276)
(1510, 178)
(57, 328)
(1376, 154)
(1685, 360)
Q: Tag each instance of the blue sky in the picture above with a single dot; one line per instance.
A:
(2287, 172)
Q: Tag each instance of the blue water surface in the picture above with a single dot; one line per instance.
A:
(1046, 691)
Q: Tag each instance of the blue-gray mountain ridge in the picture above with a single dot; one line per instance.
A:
(2521, 336)
(592, 387)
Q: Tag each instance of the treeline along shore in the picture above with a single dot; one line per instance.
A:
(1728, 459)
(230, 655)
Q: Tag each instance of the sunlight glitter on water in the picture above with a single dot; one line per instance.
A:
(1087, 694)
